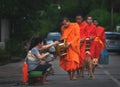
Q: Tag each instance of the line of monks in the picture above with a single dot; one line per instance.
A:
(75, 35)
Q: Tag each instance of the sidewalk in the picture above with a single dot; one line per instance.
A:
(11, 75)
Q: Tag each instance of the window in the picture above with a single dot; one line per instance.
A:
(113, 36)
(54, 36)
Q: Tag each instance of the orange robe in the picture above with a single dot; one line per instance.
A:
(91, 31)
(99, 43)
(71, 34)
(83, 45)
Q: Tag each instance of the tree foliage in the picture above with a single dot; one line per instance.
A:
(21, 8)
(38, 17)
(102, 15)
(29, 17)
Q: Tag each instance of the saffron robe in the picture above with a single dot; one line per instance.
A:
(100, 42)
(91, 31)
(83, 44)
(71, 34)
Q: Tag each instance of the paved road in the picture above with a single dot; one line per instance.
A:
(106, 75)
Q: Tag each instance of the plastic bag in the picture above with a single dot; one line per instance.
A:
(104, 57)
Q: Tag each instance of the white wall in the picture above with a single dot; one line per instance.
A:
(118, 28)
(4, 31)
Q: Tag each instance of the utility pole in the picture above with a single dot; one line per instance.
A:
(111, 27)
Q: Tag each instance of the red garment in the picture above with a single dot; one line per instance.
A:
(101, 33)
(90, 30)
(82, 30)
(99, 45)
(83, 45)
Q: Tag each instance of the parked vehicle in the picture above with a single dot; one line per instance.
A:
(52, 36)
(112, 41)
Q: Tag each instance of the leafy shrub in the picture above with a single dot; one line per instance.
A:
(13, 47)
(103, 17)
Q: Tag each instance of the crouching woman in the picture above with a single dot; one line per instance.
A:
(35, 57)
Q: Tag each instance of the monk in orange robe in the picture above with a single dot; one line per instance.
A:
(100, 39)
(71, 34)
(82, 24)
(91, 34)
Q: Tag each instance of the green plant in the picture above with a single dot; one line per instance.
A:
(13, 47)
(4, 56)
(3, 52)
(102, 15)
